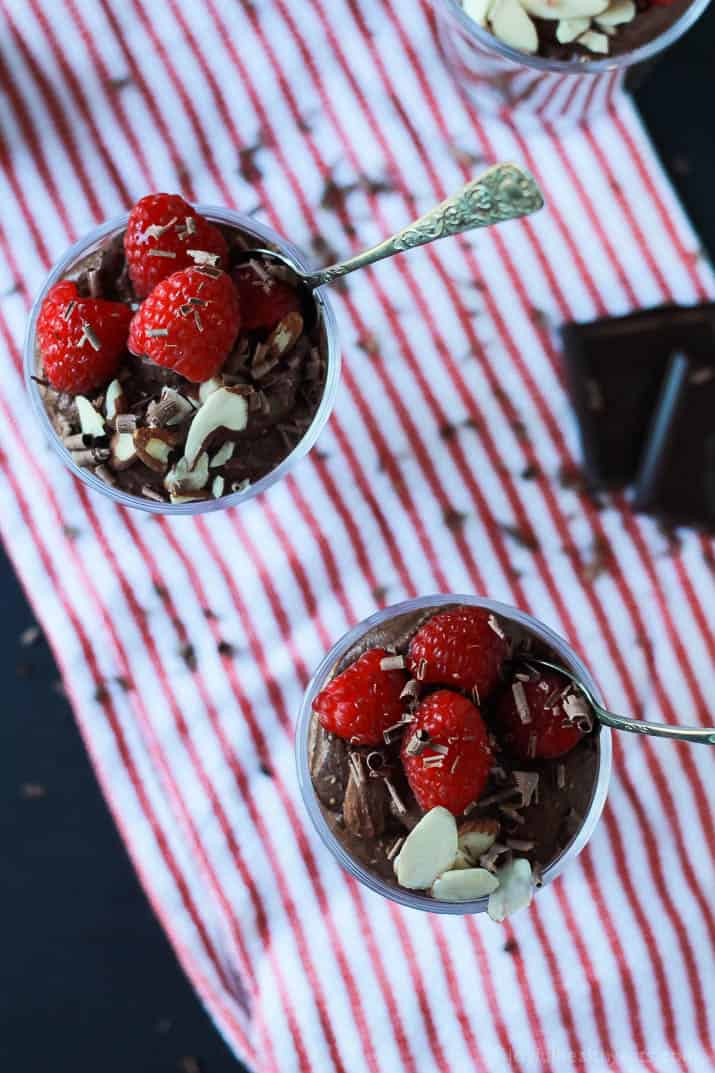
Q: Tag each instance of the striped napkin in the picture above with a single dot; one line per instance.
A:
(185, 644)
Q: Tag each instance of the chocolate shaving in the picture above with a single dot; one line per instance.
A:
(392, 663)
(493, 624)
(161, 253)
(528, 786)
(396, 799)
(522, 705)
(520, 845)
(395, 848)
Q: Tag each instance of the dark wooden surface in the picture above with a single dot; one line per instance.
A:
(87, 979)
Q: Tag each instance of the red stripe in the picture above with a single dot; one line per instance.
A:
(629, 596)
(80, 100)
(106, 703)
(116, 102)
(416, 140)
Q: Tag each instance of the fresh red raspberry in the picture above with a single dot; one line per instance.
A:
(463, 647)
(81, 340)
(264, 299)
(533, 724)
(363, 701)
(161, 229)
(458, 776)
(188, 323)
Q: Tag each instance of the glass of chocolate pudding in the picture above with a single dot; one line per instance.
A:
(388, 808)
(288, 401)
(555, 60)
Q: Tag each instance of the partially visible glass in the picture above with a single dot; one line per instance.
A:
(564, 653)
(499, 78)
(265, 237)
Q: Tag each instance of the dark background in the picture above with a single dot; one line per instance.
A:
(88, 982)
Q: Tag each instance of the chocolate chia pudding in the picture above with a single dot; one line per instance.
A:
(167, 435)
(540, 757)
(576, 29)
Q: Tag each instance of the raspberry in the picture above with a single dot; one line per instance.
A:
(363, 701)
(81, 340)
(547, 733)
(458, 776)
(188, 323)
(161, 229)
(459, 648)
(264, 299)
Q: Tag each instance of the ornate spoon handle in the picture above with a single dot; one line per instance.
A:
(694, 735)
(504, 192)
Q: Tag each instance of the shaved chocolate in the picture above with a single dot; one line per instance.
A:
(615, 369)
(677, 477)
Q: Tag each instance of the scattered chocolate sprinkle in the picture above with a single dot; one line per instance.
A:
(495, 799)
(522, 705)
(392, 663)
(511, 947)
(265, 770)
(67, 311)
(475, 695)
(433, 761)
(161, 253)
(421, 668)
(89, 336)
(454, 519)
(188, 654)
(396, 799)
(455, 764)
(527, 783)
(417, 743)
(29, 636)
(225, 648)
(356, 768)
(31, 791)
(524, 537)
(395, 848)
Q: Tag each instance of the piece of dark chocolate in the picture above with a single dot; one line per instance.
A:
(677, 476)
(615, 369)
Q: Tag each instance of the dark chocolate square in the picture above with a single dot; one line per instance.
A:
(677, 477)
(615, 369)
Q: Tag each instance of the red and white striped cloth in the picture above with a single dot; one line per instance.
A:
(416, 487)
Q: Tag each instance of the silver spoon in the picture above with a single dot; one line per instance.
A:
(504, 192)
(695, 735)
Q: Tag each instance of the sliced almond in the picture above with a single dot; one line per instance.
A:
(477, 10)
(90, 420)
(181, 479)
(225, 408)
(512, 25)
(569, 29)
(208, 387)
(514, 892)
(217, 486)
(465, 885)
(617, 13)
(115, 401)
(123, 450)
(595, 42)
(223, 455)
(429, 849)
(475, 837)
(154, 447)
(565, 9)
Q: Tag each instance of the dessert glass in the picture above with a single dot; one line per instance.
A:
(409, 898)
(266, 238)
(497, 77)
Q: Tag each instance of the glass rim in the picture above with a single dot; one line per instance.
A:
(586, 66)
(266, 235)
(406, 897)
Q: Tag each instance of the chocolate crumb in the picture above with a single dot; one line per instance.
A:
(188, 655)
(225, 648)
(511, 947)
(265, 770)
